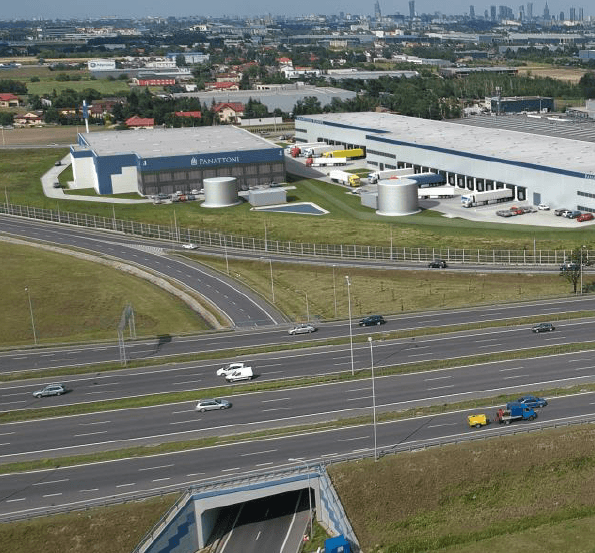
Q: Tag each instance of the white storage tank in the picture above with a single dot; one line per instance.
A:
(220, 192)
(397, 197)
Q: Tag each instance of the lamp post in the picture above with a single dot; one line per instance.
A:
(335, 291)
(373, 395)
(581, 267)
(31, 311)
(348, 281)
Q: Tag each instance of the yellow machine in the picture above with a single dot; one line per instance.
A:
(478, 420)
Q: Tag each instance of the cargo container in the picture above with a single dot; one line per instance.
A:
(489, 197)
(355, 153)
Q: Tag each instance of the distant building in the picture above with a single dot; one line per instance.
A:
(9, 100)
(222, 86)
(101, 65)
(28, 119)
(136, 122)
(193, 114)
(229, 112)
(472, 11)
(153, 82)
(519, 104)
(191, 58)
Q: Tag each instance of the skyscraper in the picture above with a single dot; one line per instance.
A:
(529, 11)
(377, 14)
(561, 16)
(546, 13)
(572, 14)
(521, 13)
(493, 13)
(472, 11)
(411, 9)
(581, 14)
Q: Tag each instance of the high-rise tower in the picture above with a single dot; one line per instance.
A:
(546, 13)
(411, 9)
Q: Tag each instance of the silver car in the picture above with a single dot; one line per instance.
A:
(210, 404)
(304, 328)
(51, 390)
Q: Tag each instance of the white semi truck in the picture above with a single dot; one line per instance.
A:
(375, 176)
(488, 197)
(344, 178)
(325, 161)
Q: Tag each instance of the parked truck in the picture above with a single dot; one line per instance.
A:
(326, 161)
(375, 176)
(489, 197)
(515, 412)
(354, 153)
(316, 151)
(344, 178)
(299, 149)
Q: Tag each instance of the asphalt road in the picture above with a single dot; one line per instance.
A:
(34, 492)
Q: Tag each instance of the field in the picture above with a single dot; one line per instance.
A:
(571, 74)
(535, 492)
(77, 300)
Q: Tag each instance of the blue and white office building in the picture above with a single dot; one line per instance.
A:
(558, 170)
(154, 161)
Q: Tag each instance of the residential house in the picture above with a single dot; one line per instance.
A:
(9, 100)
(136, 122)
(222, 86)
(229, 112)
(28, 119)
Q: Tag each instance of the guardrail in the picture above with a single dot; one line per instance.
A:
(220, 241)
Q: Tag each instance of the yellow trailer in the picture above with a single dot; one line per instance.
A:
(478, 420)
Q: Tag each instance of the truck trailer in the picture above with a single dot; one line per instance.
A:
(354, 153)
(515, 412)
(484, 198)
(436, 192)
(325, 161)
(299, 149)
(344, 178)
(316, 151)
(375, 176)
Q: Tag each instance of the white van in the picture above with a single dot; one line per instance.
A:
(243, 373)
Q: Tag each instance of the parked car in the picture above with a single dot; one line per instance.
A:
(543, 327)
(560, 211)
(58, 163)
(229, 368)
(543, 207)
(372, 320)
(504, 213)
(437, 264)
(532, 401)
(573, 214)
(304, 328)
(585, 217)
(163, 196)
(51, 390)
(528, 209)
(569, 266)
(189, 246)
(211, 404)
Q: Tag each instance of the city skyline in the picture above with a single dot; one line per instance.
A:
(67, 9)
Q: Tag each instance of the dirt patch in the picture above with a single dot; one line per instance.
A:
(570, 74)
(45, 136)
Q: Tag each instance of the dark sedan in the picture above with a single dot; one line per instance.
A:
(372, 320)
(437, 264)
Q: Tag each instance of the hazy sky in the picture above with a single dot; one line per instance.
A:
(64, 9)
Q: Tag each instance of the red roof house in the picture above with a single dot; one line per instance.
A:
(136, 122)
(195, 114)
(9, 100)
(229, 111)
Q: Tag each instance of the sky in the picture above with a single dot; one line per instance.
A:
(66, 9)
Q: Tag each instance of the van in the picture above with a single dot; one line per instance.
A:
(243, 373)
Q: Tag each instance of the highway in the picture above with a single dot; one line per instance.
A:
(23, 494)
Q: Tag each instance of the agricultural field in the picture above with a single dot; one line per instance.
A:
(570, 74)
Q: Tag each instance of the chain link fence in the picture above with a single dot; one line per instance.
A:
(216, 240)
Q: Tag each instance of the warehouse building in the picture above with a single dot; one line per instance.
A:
(537, 168)
(164, 161)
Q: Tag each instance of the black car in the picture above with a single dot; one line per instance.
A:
(543, 327)
(437, 264)
(569, 266)
(372, 320)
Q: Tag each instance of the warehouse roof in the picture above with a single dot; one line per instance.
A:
(174, 142)
(514, 145)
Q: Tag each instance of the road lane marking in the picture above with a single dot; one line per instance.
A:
(257, 536)
(52, 494)
(359, 389)
(515, 376)
(185, 411)
(258, 453)
(50, 482)
(265, 464)
(276, 409)
(489, 346)
(105, 384)
(90, 434)
(124, 485)
(487, 340)
(415, 354)
(6, 433)
(13, 500)
(188, 381)
(184, 422)
(353, 439)
(437, 378)
(195, 474)
(13, 402)
(160, 479)
(156, 468)
(227, 470)
(277, 399)
(511, 369)
(441, 387)
(329, 455)
(92, 423)
(357, 398)
(445, 424)
(90, 490)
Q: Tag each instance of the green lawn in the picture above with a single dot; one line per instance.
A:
(492, 495)
(76, 300)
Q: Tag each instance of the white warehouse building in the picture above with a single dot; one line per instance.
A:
(538, 168)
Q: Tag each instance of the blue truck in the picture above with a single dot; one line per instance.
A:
(515, 412)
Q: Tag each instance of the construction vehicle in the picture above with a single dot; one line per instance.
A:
(344, 178)
(514, 412)
(349, 154)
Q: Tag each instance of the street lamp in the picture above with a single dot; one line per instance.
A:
(373, 394)
(581, 269)
(307, 305)
(31, 311)
(335, 291)
(350, 330)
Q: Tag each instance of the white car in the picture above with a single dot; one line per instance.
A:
(189, 246)
(304, 328)
(543, 207)
(229, 368)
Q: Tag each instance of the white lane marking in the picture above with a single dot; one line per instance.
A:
(329, 455)
(275, 372)
(15, 394)
(185, 411)
(277, 399)
(511, 369)
(93, 423)
(188, 381)
(353, 439)
(258, 453)
(156, 468)
(195, 474)
(13, 500)
(90, 490)
(437, 378)
(445, 424)
(583, 368)
(124, 485)
(359, 389)
(265, 464)
(160, 479)
(441, 387)
(90, 434)
(415, 354)
(13, 402)
(6, 433)
(357, 398)
(515, 376)
(105, 384)
(227, 470)
(489, 346)
(5, 443)
(487, 340)
(184, 422)
(52, 494)
(276, 409)
(50, 482)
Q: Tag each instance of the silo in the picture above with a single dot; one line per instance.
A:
(220, 192)
(397, 197)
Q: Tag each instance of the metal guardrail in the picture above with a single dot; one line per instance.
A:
(221, 241)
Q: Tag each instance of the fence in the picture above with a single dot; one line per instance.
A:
(219, 241)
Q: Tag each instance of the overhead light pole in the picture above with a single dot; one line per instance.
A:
(581, 267)
(348, 281)
(31, 312)
(373, 396)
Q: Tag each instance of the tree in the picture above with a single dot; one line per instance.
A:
(572, 268)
